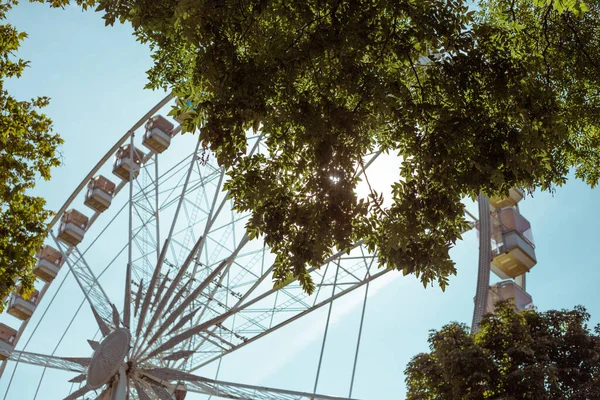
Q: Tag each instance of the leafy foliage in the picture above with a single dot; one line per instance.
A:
(472, 101)
(27, 150)
(549, 355)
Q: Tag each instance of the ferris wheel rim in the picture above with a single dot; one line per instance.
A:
(110, 153)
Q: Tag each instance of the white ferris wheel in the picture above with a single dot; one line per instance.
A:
(188, 286)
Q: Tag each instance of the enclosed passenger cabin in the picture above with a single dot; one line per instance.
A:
(180, 392)
(158, 134)
(99, 193)
(506, 290)
(8, 336)
(72, 227)
(20, 308)
(514, 197)
(49, 262)
(7, 341)
(513, 251)
(122, 162)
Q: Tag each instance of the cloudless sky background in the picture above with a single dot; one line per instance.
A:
(95, 77)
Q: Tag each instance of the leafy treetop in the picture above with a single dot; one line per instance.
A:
(549, 355)
(27, 150)
(473, 102)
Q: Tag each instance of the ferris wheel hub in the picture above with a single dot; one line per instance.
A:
(108, 358)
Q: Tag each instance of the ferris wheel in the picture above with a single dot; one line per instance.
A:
(188, 286)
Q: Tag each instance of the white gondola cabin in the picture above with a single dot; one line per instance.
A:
(180, 392)
(512, 244)
(122, 162)
(72, 227)
(158, 134)
(20, 308)
(49, 262)
(514, 197)
(506, 290)
(99, 193)
(7, 341)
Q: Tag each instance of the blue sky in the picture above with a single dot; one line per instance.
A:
(95, 78)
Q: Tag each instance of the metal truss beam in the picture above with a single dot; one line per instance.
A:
(87, 281)
(229, 390)
(153, 282)
(253, 319)
(62, 363)
(253, 330)
(248, 392)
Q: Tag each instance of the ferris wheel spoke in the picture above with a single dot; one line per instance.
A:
(156, 204)
(160, 290)
(79, 378)
(153, 392)
(106, 394)
(183, 306)
(54, 362)
(185, 288)
(213, 211)
(223, 331)
(219, 290)
(195, 294)
(162, 301)
(254, 321)
(78, 393)
(142, 392)
(147, 242)
(230, 286)
(230, 390)
(472, 221)
(143, 214)
(244, 323)
(89, 285)
(155, 275)
(195, 210)
(184, 320)
(145, 190)
(193, 253)
(172, 174)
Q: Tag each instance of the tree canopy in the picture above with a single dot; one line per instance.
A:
(28, 150)
(473, 100)
(549, 355)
